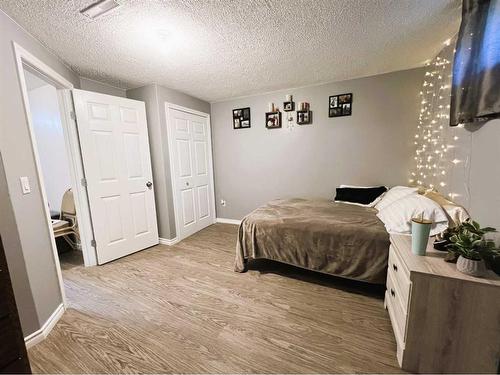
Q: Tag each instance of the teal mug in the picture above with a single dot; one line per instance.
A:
(420, 230)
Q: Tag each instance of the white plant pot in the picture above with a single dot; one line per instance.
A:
(471, 267)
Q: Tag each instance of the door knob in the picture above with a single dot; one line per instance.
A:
(187, 183)
(149, 184)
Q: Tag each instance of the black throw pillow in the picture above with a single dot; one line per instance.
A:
(359, 195)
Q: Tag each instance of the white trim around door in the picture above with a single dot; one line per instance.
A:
(25, 60)
(170, 133)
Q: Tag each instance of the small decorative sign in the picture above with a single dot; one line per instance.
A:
(340, 105)
(241, 118)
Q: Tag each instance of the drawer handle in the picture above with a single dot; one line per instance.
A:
(395, 267)
(393, 292)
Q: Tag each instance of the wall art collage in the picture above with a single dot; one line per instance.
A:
(338, 105)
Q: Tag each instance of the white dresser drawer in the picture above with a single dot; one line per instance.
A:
(398, 314)
(400, 276)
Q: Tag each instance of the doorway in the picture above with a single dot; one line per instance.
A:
(109, 165)
(26, 62)
(55, 167)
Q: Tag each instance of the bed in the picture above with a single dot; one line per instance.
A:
(317, 234)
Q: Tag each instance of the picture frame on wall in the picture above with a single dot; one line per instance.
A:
(273, 120)
(304, 117)
(288, 106)
(241, 118)
(340, 105)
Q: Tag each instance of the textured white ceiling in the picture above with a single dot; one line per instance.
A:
(221, 49)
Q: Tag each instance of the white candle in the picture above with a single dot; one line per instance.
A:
(288, 98)
(270, 107)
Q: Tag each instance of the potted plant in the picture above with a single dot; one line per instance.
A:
(443, 240)
(469, 244)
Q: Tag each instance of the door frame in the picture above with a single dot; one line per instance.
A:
(173, 178)
(63, 86)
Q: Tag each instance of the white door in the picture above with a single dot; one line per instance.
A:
(191, 163)
(116, 160)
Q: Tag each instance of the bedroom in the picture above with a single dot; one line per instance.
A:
(358, 76)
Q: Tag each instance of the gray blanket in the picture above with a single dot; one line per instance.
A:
(320, 235)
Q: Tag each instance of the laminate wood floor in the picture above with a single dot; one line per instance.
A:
(182, 309)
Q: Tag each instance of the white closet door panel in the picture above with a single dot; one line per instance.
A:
(190, 152)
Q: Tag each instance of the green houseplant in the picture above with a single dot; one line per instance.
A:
(469, 245)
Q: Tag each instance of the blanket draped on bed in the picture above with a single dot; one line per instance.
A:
(320, 235)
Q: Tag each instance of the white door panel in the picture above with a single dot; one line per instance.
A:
(190, 150)
(203, 202)
(116, 158)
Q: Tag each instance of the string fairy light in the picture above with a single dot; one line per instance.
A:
(434, 142)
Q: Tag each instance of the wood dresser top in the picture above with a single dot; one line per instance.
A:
(433, 262)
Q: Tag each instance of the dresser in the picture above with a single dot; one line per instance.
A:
(443, 320)
(13, 357)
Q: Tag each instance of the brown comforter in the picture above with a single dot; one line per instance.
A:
(320, 235)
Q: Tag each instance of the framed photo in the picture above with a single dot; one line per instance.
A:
(273, 120)
(288, 106)
(335, 112)
(241, 118)
(340, 105)
(304, 117)
(346, 109)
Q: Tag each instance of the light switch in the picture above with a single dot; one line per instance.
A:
(25, 184)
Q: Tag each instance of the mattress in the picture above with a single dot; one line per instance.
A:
(317, 234)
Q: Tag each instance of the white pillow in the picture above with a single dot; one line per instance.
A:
(397, 216)
(395, 193)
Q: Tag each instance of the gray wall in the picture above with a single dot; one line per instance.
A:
(15, 260)
(91, 85)
(155, 97)
(30, 243)
(484, 180)
(373, 146)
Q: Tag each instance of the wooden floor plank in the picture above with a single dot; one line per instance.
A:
(182, 309)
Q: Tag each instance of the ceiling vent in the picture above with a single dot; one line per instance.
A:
(99, 8)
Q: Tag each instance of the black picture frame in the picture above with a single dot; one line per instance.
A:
(241, 118)
(340, 105)
(274, 118)
(304, 117)
(289, 106)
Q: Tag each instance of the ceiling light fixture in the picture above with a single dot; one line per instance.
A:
(99, 8)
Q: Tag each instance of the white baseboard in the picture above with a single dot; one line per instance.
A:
(228, 221)
(168, 242)
(43, 332)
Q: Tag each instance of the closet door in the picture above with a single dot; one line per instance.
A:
(117, 163)
(191, 162)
